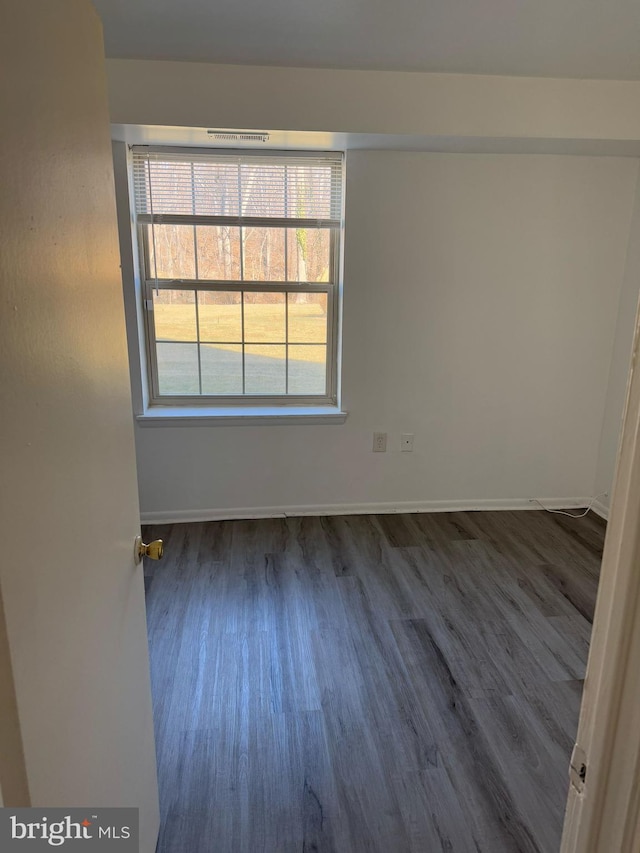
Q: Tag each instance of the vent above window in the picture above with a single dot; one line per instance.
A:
(238, 136)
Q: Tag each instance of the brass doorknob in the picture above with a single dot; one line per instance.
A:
(154, 550)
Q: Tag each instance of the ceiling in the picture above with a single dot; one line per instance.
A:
(548, 38)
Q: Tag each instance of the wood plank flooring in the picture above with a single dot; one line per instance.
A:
(393, 683)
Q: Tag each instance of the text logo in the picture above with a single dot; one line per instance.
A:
(101, 829)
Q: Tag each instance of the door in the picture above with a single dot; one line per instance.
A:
(76, 721)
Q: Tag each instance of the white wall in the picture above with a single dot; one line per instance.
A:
(480, 305)
(196, 94)
(618, 373)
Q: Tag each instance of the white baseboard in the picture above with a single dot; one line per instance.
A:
(601, 509)
(186, 515)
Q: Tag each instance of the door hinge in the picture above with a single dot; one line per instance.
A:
(578, 768)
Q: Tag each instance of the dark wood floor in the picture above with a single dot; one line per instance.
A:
(369, 683)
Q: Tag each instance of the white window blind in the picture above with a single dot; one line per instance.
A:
(234, 187)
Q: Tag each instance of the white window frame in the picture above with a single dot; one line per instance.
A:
(332, 288)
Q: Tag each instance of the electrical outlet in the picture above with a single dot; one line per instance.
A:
(379, 442)
(406, 442)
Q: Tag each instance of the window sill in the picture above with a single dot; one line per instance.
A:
(240, 416)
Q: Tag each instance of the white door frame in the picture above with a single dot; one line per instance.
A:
(603, 811)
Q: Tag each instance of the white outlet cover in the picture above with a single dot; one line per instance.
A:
(406, 442)
(379, 442)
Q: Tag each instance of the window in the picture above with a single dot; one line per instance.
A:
(239, 256)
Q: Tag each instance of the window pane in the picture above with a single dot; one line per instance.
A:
(307, 369)
(172, 187)
(308, 254)
(265, 369)
(264, 317)
(309, 191)
(215, 188)
(175, 315)
(307, 317)
(218, 252)
(221, 369)
(262, 189)
(220, 316)
(173, 248)
(263, 254)
(178, 368)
